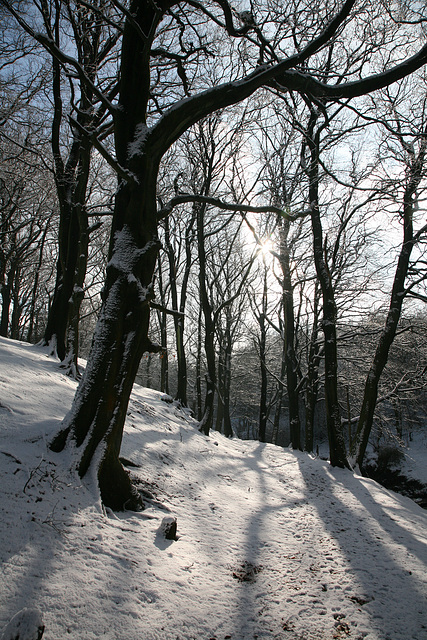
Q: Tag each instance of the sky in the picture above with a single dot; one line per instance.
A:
(271, 543)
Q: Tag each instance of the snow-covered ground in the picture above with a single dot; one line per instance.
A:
(415, 457)
(271, 543)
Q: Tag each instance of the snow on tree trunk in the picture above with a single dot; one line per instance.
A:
(95, 424)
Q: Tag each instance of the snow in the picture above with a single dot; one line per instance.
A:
(25, 625)
(136, 147)
(126, 253)
(270, 544)
(414, 465)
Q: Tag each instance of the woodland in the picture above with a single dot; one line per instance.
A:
(224, 202)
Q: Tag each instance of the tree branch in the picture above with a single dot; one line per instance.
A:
(227, 206)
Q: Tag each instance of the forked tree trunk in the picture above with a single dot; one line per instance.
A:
(66, 181)
(179, 321)
(96, 420)
(95, 423)
(71, 180)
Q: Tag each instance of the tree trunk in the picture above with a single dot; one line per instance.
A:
(17, 306)
(208, 410)
(220, 384)
(337, 451)
(71, 179)
(162, 320)
(70, 362)
(6, 294)
(198, 411)
(97, 418)
(388, 334)
(68, 232)
(280, 389)
(228, 429)
(263, 413)
(179, 321)
(68, 240)
(262, 344)
(312, 375)
(31, 321)
(95, 423)
(223, 419)
(290, 356)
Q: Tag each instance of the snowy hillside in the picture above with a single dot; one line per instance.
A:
(271, 543)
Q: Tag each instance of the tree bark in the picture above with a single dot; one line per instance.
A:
(262, 345)
(223, 418)
(162, 320)
(71, 179)
(228, 429)
(6, 294)
(68, 233)
(280, 389)
(179, 321)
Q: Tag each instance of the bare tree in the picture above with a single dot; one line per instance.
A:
(93, 40)
(26, 211)
(94, 427)
(412, 153)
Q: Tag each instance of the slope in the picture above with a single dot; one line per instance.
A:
(271, 543)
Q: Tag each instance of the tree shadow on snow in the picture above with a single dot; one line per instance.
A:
(376, 547)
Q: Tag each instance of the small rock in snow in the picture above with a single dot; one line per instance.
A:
(166, 398)
(168, 528)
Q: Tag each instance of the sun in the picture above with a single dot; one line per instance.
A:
(266, 246)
